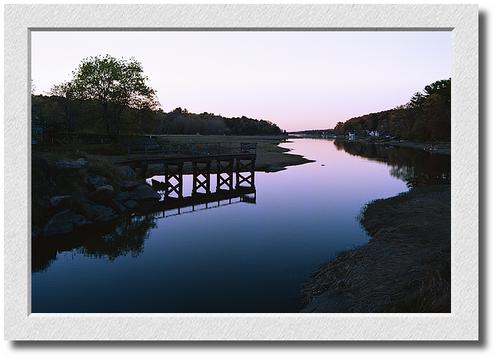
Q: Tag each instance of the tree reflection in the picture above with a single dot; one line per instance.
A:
(126, 236)
(415, 167)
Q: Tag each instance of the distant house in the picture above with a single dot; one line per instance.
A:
(373, 133)
(351, 136)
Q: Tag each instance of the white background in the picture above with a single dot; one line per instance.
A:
(486, 349)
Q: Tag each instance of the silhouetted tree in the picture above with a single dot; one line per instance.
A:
(116, 83)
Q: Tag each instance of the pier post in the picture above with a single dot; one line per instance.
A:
(245, 172)
(171, 174)
(224, 174)
(201, 170)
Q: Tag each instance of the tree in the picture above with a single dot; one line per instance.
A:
(417, 100)
(66, 92)
(116, 84)
(440, 87)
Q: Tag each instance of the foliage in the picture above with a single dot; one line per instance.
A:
(426, 117)
(116, 84)
(86, 119)
(111, 96)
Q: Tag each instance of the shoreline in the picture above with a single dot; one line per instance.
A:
(270, 155)
(405, 266)
(443, 148)
(75, 190)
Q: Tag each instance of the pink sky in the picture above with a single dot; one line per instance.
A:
(298, 80)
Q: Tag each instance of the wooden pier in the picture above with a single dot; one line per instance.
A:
(226, 163)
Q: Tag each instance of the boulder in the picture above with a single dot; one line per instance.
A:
(144, 192)
(122, 196)
(127, 172)
(62, 223)
(71, 164)
(132, 204)
(96, 181)
(103, 194)
(105, 189)
(118, 207)
(61, 201)
(130, 184)
(96, 212)
(103, 213)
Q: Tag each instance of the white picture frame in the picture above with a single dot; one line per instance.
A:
(463, 321)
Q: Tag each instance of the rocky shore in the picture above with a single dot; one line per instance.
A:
(71, 195)
(405, 267)
(73, 192)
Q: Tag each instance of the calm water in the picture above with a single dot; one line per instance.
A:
(239, 257)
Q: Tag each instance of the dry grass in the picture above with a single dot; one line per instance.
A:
(406, 265)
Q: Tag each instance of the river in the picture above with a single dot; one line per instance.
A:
(250, 254)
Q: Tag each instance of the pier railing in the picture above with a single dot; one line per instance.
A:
(192, 149)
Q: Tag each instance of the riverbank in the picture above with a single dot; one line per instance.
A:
(80, 188)
(270, 156)
(443, 148)
(439, 147)
(405, 267)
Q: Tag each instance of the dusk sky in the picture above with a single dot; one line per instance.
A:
(298, 80)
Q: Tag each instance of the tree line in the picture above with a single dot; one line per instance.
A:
(110, 96)
(426, 117)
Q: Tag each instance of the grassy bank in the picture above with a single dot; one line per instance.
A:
(405, 267)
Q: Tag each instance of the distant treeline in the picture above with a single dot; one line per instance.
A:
(58, 115)
(314, 133)
(427, 117)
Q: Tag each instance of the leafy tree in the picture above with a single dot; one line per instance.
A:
(66, 92)
(116, 83)
(427, 117)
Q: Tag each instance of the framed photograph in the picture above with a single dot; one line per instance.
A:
(241, 172)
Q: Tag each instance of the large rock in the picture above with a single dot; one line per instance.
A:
(62, 223)
(130, 184)
(118, 206)
(127, 172)
(105, 189)
(61, 201)
(122, 196)
(103, 213)
(132, 204)
(96, 212)
(144, 192)
(96, 181)
(71, 164)
(103, 194)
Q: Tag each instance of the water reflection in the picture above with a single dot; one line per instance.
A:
(229, 255)
(121, 237)
(415, 167)
(127, 235)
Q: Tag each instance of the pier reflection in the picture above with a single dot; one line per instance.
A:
(127, 235)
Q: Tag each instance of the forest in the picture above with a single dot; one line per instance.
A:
(426, 117)
(111, 97)
(60, 116)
